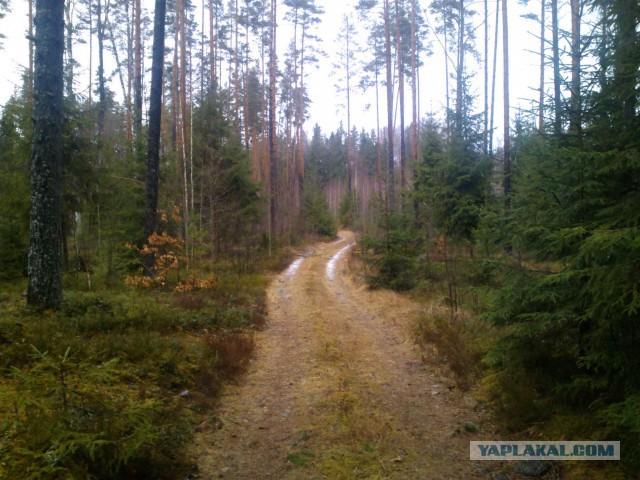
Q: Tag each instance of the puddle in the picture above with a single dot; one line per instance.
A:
(331, 264)
(293, 268)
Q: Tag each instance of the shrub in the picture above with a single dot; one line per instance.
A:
(74, 419)
(232, 350)
(450, 343)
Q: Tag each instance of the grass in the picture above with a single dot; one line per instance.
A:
(112, 384)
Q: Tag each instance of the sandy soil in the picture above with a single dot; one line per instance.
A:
(337, 389)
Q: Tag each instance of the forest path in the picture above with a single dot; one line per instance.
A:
(337, 389)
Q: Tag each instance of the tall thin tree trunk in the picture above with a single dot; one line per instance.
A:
(557, 100)
(542, 65)
(379, 143)
(212, 46)
(184, 124)
(45, 225)
(575, 109)
(403, 148)
(348, 139)
(31, 43)
(68, 13)
(391, 162)
(236, 75)
(460, 71)
(90, 99)
(273, 146)
(485, 116)
(175, 94)
(446, 77)
(137, 75)
(507, 140)
(247, 136)
(414, 87)
(301, 101)
(153, 140)
(101, 80)
(493, 79)
(414, 107)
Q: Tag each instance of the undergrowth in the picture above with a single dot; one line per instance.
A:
(111, 385)
(458, 335)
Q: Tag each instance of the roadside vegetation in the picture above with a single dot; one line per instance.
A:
(113, 384)
(532, 307)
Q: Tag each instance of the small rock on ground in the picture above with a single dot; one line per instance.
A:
(536, 468)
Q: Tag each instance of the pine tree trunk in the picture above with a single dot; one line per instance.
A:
(155, 119)
(507, 140)
(460, 71)
(391, 194)
(137, 75)
(414, 109)
(626, 65)
(414, 88)
(236, 76)
(273, 148)
(348, 65)
(31, 43)
(485, 116)
(184, 124)
(301, 108)
(45, 228)
(68, 50)
(542, 64)
(575, 110)
(493, 78)
(403, 153)
(102, 96)
(212, 46)
(557, 100)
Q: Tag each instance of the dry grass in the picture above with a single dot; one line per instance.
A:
(446, 341)
(233, 350)
(188, 301)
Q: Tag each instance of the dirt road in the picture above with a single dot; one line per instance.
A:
(337, 389)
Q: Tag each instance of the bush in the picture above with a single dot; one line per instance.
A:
(450, 343)
(395, 271)
(75, 419)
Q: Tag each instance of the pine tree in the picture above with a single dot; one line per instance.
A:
(45, 229)
(155, 113)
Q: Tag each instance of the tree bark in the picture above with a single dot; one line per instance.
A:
(101, 81)
(31, 43)
(68, 12)
(137, 75)
(460, 71)
(507, 140)
(493, 78)
(485, 116)
(273, 146)
(403, 148)
(542, 65)
(45, 225)
(557, 101)
(575, 110)
(153, 141)
(391, 194)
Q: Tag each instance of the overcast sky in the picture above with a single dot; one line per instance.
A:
(325, 108)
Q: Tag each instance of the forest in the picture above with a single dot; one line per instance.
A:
(152, 184)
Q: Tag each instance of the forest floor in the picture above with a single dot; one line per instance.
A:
(337, 389)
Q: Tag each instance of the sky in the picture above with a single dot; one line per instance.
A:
(325, 108)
